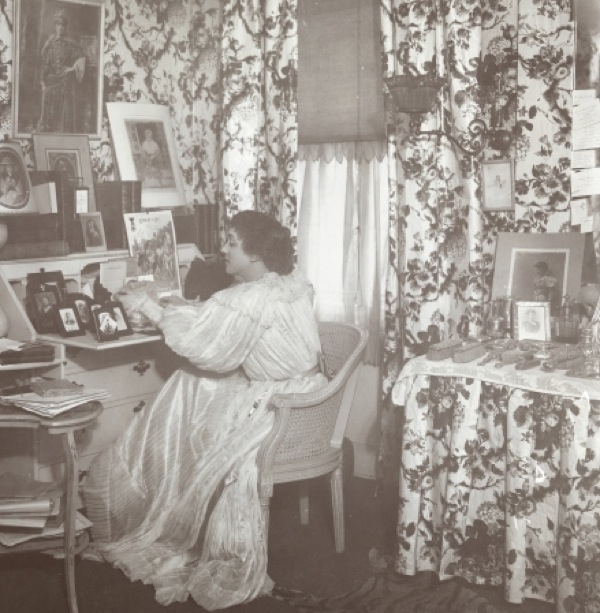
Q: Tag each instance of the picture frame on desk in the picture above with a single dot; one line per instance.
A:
(43, 308)
(82, 304)
(120, 316)
(531, 321)
(69, 323)
(58, 91)
(105, 323)
(145, 151)
(92, 227)
(51, 280)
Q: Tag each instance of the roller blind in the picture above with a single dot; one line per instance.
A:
(340, 95)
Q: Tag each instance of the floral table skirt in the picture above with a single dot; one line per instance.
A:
(500, 484)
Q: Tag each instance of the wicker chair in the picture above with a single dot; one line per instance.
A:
(306, 440)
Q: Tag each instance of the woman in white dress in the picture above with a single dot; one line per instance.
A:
(174, 500)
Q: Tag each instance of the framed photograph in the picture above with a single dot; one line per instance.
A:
(15, 185)
(47, 281)
(92, 227)
(538, 266)
(68, 321)
(81, 303)
(69, 155)
(106, 326)
(151, 239)
(531, 321)
(497, 185)
(145, 151)
(44, 305)
(58, 72)
(123, 326)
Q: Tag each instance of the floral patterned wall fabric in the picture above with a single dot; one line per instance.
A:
(231, 91)
(260, 127)
(510, 63)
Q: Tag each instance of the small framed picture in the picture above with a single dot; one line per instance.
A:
(69, 323)
(497, 185)
(531, 321)
(105, 324)
(123, 325)
(43, 308)
(81, 303)
(94, 238)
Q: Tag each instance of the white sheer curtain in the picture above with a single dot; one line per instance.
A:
(342, 233)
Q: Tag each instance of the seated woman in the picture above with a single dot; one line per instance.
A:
(174, 500)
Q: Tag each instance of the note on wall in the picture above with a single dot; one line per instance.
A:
(586, 124)
(585, 182)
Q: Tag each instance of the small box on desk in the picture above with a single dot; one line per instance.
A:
(113, 199)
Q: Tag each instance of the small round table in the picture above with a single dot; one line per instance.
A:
(65, 425)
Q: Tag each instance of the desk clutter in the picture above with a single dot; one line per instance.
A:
(521, 355)
(51, 397)
(32, 510)
(17, 352)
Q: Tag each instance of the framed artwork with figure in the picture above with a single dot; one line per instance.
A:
(144, 149)
(69, 155)
(497, 181)
(58, 62)
(544, 267)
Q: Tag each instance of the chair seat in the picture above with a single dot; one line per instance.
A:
(307, 468)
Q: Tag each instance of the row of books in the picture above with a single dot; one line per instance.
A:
(32, 510)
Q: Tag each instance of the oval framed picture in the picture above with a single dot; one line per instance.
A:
(15, 186)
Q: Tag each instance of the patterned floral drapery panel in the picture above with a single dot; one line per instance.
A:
(498, 482)
(511, 64)
(259, 128)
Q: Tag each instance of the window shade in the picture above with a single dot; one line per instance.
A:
(340, 96)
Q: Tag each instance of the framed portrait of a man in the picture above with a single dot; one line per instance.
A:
(58, 67)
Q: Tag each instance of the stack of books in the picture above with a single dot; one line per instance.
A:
(31, 510)
(19, 352)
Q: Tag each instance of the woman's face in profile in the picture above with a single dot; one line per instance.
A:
(237, 261)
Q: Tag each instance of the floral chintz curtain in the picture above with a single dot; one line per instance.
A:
(509, 63)
(259, 131)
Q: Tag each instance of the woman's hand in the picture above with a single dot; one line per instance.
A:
(173, 301)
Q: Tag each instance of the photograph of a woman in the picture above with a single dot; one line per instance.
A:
(94, 238)
(186, 466)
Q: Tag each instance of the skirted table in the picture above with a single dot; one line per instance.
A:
(500, 480)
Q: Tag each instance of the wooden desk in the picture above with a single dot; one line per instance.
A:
(500, 480)
(65, 426)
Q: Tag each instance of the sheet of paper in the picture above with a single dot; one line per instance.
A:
(583, 158)
(586, 125)
(583, 95)
(112, 274)
(585, 182)
(579, 211)
(587, 225)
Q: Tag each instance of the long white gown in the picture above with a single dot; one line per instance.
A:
(174, 500)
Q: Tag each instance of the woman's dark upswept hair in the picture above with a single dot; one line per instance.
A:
(265, 237)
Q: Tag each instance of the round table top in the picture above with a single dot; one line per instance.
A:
(73, 419)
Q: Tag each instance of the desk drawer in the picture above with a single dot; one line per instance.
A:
(124, 374)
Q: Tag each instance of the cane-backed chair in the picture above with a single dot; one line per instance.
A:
(306, 439)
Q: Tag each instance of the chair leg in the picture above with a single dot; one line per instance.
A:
(303, 497)
(264, 511)
(337, 501)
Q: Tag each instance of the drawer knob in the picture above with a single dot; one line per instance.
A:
(141, 367)
(139, 406)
